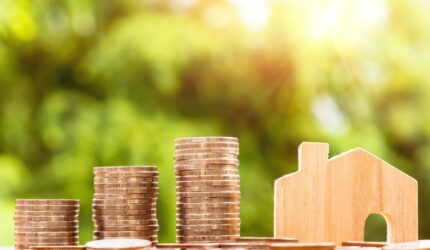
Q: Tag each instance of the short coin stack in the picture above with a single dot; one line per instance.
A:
(125, 201)
(207, 189)
(46, 223)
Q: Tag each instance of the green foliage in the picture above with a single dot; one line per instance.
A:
(88, 83)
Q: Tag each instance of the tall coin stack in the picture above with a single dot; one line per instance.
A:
(125, 201)
(46, 223)
(207, 189)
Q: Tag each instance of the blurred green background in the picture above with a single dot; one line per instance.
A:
(88, 83)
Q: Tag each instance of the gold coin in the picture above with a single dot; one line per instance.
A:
(224, 161)
(46, 213)
(149, 228)
(122, 234)
(141, 190)
(125, 196)
(45, 202)
(207, 199)
(208, 205)
(207, 183)
(45, 234)
(142, 217)
(123, 201)
(126, 185)
(46, 207)
(187, 245)
(223, 194)
(206, 238)
(27, 246)
(207, 221)
(363, 244)
(45, 218)
(219, 227)
(243, 245)
(208, 177)
(208, 150)
(266, 239)
(98, 212)
(204, 139)
(58, 248)
(206, 216)
(208, 189)
(26, 240)
(131, 180)
(153, 238)
(30, 229)
(206, 145)
(47, 223)
(126, 222)
(125, 168)
(182, 157)
(303, 246)
(203, 172)
(125, 207)
(192, 167)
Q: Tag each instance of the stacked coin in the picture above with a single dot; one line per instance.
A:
(46, 223)
(207, 189)
(124, 203)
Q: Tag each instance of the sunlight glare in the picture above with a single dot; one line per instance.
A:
(253, 13)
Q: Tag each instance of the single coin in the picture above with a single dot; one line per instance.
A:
(203, 172)
(208, 205)
(219, 227)
(206, 145)
(121, 179)
(141, 190)
(112, 244)
(127, 185)
(125, 168)
(45, 234)
(303, 246)
(125, 196)
(27, 246)
(223, 194)
(208, 177)
(226, 161)
(221, 169)
(126, 222)
(98, 212)
(142, 217)
(203, 232)
(266, 239)
(182, 157)
(38, 240)
(47, 202)
(207, 221)
(45, 218)
(213, 238)
(203, 139)
(46, 213)
(30, 229)
(46, 207)
(364, 244)
(127, 228)
(153, 238)
(125, 207)
(207, 210)
(124, 201)
(208, 189)
(243, 245)
(46, 223)
(207, 183)
(187, 245)
(207, 200)
(205, 216)
(207, 150)
(122, 234)
(58, 247)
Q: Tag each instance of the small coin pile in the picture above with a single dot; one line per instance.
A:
(125, 202)
(46, 223)
(207, 189)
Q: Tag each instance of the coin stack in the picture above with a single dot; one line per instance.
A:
(207, 189)
(124, 203)
(46, 223)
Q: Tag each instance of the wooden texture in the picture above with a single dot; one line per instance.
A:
(330, 199)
